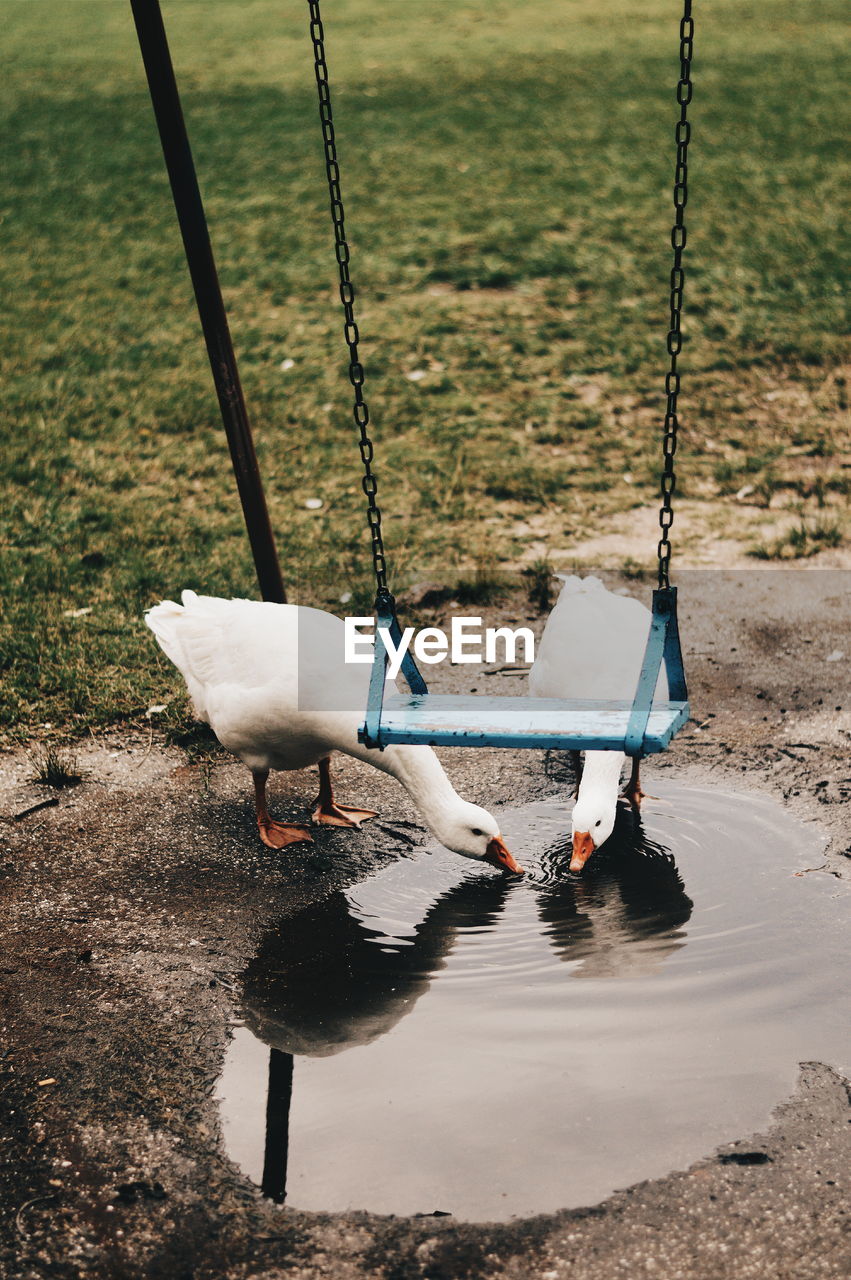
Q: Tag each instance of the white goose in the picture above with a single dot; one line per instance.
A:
(272, 683)
(592, 647)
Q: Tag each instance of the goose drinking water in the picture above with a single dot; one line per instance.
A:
(272, 683)
(592, 647)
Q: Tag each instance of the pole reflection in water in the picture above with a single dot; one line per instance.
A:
(448, 1060)
(276, 1152)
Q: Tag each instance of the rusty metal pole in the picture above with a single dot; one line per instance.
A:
(208, 295)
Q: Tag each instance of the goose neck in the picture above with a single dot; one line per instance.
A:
(422, 775)
(601, 774)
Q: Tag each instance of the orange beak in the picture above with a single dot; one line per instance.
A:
(500, 857)
(583, 847)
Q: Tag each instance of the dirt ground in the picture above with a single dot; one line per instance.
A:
(131, 905)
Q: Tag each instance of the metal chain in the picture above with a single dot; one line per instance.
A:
(682, 135)
(347, 296)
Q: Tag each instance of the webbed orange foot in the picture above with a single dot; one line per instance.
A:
(331, 814)
(327, 812)
(277, 835)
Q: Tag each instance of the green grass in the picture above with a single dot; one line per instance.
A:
(506, 174)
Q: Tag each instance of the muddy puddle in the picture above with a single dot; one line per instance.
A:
(441, 1038)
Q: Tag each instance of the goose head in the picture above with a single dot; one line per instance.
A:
(592, 822)
(460, 826)
(593, 817)
(474, 833)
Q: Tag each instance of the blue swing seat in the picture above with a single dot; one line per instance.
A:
(446, 720)
(638, 728)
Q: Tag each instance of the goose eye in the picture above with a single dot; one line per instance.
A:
(477, 832)
(599, 822)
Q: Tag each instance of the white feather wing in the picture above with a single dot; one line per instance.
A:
(269, 678)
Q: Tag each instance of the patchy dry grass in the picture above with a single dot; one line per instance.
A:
(55, 766)
(800, 541)
(506, 171)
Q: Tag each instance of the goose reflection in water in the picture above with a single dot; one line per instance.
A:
(624, 917)
(333, 977)
(328, 980)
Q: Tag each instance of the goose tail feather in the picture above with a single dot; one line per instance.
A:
(164, 621)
